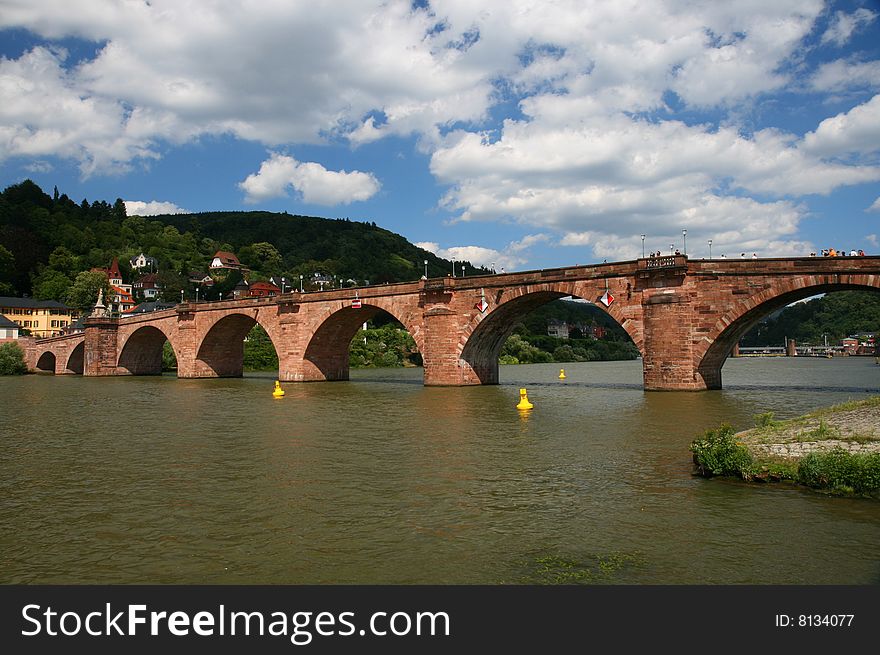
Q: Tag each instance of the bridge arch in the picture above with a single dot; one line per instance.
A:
(484, 337)
(716, 346)
(76, 359)
(326, 355)
(46, 362)
(221, 351)
(141, 352)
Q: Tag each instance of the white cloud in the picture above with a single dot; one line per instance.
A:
(152, 208)
(853, 131)
(315, 183)
(514, 255)
(39, 166)
(872, 239)
(841, 75)
(875, 206)
(843, 25)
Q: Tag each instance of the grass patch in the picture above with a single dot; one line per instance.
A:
(840, 471)
(559, 569)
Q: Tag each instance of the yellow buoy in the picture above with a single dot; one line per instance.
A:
(562, 374)
(524, 400)
(279, 392)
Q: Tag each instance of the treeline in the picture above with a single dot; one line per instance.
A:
(834, 315)
(47, 241)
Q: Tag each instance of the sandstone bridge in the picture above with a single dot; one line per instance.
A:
(684, 316)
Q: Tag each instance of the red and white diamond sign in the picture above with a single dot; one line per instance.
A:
(607, 298)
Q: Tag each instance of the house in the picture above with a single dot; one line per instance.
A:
(557, 328)
(225, 260)
(43, 318)
(145, 307)
(147, 286)
(241, 290)
(263, 289)
(201, 279)
(8, 329)
(119, 294)
(144, 261)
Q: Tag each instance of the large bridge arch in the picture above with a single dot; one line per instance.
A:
(141, 352)
(221, 352)
(484, 336)
(326, 355)
(717, 344)
(76, 361)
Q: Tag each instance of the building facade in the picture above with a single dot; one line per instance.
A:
(42, 318)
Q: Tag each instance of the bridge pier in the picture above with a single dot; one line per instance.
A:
(99, 356)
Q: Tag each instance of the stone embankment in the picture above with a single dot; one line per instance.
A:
(854, 427)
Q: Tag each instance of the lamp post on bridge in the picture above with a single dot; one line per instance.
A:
(684, 240)
(181, 295)
(643, 246)
(426, 269)
(710, 248)
(671, 248)
(300, 283)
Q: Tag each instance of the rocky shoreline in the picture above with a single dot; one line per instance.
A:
(853, 426)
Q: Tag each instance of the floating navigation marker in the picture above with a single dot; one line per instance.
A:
(607, 298)
(278, 392)
(562, 374)
(524, 403)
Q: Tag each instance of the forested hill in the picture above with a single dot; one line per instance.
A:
(834, 315)
(46, 241)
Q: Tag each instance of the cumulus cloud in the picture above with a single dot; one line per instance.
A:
(315, 183)
(151, 208)
(621, 118)
(514, 255)
(852, 131)
(875, 206)
(843, 74)
(843, 25)
(872, 239)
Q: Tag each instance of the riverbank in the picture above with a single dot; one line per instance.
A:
(835, 449)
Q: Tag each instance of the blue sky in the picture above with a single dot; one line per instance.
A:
(528, 134)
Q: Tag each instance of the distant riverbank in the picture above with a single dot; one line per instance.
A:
(835, 449)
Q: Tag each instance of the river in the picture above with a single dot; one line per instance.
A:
(382, 480)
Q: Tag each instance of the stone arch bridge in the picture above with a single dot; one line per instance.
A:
(684, 316)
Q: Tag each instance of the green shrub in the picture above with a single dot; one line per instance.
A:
(12, 359)
(717, 453)
(841, 471)
(765, 420)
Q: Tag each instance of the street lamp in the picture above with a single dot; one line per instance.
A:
(710, 248)
(462, 270)
(671, 248)
(426, 268)
(453, 267)
(684, 238)
(643, 246)
(181, 295)
(300, 283)
(493, 267)
(197, 293)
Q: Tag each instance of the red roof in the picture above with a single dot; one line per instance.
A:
(264, 286)
(113, 272)
(226, 258)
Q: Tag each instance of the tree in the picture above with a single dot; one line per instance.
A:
(12, 359)
(51, 285)
(84, 293)
(7, 272)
